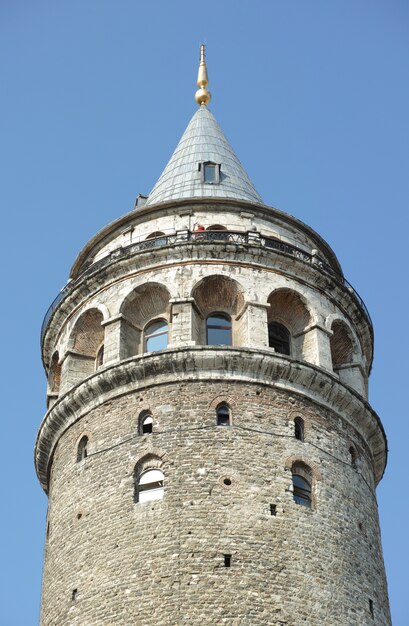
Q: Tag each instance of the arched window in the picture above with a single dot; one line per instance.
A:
(156, 336)
(145, 424)
(99, 360)
(299, 428)
(302, 480)
(223, 415)
(82, 449)
(218, 330)
(150, 486)
(279, 338)
(301, 491)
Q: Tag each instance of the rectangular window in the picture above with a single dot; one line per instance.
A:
(209, 173)
(273, 509)
(227, 560)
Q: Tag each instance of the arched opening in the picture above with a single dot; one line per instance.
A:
(302, 481)
(299, 428)
(86, 340)
(342, 348)
(279, 338)
(156, 336)
(219, 300)
(218, 330)
(82, 449)
(216, 227)
(288, 319)
(150, 486)
(145, 423)
(223, 415)
(146, 305)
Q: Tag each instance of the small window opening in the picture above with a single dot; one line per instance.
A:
(354, 457)
(48, 530)
(150, 486)
(147, 425)
(227, 560)
(99, 360)
(223, 415)
(279, 338)
(74, 594)
(82, 450)
(227, 481)
(299, 428)
(371, 609)
(273, 509)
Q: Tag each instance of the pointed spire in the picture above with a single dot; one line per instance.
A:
(202, 95)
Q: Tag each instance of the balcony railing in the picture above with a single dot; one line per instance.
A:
(250, 238)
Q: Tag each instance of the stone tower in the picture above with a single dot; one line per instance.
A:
(209, 452)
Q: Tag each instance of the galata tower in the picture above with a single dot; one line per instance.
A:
(208, 451)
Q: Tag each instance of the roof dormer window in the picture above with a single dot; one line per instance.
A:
(210, 172)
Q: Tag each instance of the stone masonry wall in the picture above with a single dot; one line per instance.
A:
(110, 560)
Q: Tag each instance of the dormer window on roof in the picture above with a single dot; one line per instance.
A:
(210, 172)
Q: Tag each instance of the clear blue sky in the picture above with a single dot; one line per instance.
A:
(314, 98)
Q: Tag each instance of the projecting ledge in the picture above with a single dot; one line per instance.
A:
(204, 363)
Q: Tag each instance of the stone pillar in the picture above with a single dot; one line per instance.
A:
(75, 367)
(353, 374)
(112, 327)
(313, 345)
(182, 322)
(251, 327)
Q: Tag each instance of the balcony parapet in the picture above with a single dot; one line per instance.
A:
(242, 238)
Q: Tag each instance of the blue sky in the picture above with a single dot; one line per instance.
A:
(314, 98)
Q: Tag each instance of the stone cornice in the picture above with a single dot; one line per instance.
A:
(202, 363)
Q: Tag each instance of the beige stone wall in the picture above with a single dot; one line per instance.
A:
(111, 560)
(161, 563)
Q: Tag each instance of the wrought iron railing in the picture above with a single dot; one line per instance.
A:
(223, 236)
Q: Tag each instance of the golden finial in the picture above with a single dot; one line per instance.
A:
(202, 96)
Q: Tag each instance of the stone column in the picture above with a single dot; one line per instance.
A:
(251, 327)
(182, 322)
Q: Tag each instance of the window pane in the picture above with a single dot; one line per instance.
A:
(218, 337)
(157, 342)
(210, 173)
(150, 476)
(156, 336)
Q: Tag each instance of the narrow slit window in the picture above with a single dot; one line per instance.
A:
(273, 510)
(371, 609)
(299, 428)
(227, 560)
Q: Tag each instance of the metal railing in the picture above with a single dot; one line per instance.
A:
(251, 238)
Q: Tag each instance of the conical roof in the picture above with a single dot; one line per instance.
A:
(203, 141)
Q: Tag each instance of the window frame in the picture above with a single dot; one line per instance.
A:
(159, 485)
(225, 316)
(217, 172)
(157, 334)
(224, 407)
